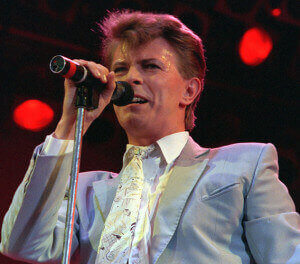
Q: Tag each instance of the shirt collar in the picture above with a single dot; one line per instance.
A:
(170, 146)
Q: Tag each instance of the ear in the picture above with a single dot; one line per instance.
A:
(191, 91)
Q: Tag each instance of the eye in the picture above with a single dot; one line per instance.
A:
(120, 69)
(151, 66)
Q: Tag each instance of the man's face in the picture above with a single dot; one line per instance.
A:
(151, 69)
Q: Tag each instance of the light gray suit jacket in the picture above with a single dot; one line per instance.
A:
(223, 205)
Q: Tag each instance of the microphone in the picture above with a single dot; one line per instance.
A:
(123, 94)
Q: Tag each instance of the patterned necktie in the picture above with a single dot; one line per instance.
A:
(116, 239)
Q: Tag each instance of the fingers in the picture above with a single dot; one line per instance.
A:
(102, 73)
(98, 70)
(111, 84)
(110, 87)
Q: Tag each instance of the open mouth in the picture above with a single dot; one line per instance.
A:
(137, 100)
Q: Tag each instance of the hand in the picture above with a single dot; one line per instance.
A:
(66, 126)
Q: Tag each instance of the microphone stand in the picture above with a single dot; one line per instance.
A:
(86, 98)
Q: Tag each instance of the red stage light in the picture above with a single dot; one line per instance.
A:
(255, 46)
(33, 115)
(276, 12)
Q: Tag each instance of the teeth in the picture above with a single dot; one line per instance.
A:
(138, 100)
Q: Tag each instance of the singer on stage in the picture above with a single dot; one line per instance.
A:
(173, 201)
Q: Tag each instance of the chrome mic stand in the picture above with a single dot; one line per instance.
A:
(87, 98)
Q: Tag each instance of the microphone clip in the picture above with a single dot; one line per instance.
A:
(87, 97)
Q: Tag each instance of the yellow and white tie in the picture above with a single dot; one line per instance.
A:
(116, 239)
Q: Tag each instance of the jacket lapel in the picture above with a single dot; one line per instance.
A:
(186, 172)
(105, 191)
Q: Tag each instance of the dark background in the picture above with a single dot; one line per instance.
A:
(239, 104)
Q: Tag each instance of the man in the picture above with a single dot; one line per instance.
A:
(179, 203)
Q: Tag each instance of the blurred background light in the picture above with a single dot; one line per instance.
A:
(255, 46)
(276, 12)
(33, 115)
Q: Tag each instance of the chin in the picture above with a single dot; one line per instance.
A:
(130, 122)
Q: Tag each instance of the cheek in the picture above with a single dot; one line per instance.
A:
(162, 88)
(170, 92)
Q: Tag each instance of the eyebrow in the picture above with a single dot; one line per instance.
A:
(149, 60)
(119, 63)
(143, 61)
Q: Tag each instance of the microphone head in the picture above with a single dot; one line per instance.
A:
(123, 94)
(58, 64)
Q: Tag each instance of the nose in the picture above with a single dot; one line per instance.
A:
(133, 76)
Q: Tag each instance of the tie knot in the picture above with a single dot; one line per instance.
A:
(140, 152)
